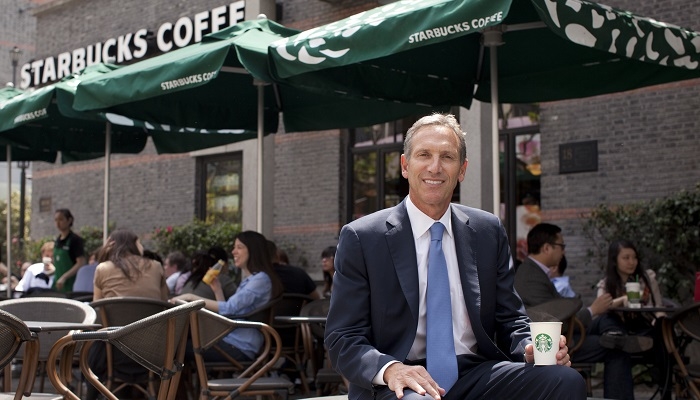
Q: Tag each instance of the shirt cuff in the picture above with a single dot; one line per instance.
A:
(379, 378)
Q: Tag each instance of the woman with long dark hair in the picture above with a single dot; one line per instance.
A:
(123, 271)
(258, 286)
(624, 266)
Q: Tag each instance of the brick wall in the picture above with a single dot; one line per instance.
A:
(148, 190)
(307, 209)
(648, 141)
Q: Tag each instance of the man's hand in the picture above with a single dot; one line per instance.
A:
(563, 357)
(399, 376)
(601, 304)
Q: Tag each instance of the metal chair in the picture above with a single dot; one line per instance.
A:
(121, 311)
(157, 342)
(13, 335)
(679, 330)
(326, 379)
(48, 309)
(264, 314)
(290, 333)
(207, 329)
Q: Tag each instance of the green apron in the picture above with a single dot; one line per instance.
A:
(63, 263)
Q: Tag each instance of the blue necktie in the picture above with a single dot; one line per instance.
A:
(440, 348)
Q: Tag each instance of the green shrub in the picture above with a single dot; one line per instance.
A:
(197, 235)
(666, 233)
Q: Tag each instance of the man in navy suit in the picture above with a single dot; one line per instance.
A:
(376, 329)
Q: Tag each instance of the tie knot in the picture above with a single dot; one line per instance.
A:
(436, 231)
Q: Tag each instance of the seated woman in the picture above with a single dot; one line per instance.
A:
(123, 271)
(201, 262)
(623, 266)
(259, 286)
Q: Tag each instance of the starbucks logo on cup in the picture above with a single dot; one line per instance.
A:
(543, 342)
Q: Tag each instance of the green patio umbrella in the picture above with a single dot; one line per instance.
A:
(8, 153)
(446, 52)
(44, 119)
(224, 83)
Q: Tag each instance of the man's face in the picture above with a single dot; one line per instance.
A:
(433, 169)
(556, 250)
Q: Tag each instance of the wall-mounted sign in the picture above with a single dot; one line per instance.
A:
(132, 46)
(44, 204)
(578, 157)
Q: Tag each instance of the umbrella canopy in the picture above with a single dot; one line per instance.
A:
(431, 51)
(44, 119)
(223, 82)
(214, 85)
(447, 52)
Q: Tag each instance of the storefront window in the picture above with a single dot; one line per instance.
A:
(221, 187)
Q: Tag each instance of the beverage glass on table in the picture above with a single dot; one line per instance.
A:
(634, 295)
(545, 341)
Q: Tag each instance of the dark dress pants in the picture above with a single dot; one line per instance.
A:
(617, 376)
(481, 379)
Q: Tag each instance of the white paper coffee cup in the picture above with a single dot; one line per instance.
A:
(545, 341)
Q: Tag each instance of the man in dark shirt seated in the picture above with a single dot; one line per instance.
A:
(294, 279)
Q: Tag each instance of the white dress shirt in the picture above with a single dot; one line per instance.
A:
(464, 339)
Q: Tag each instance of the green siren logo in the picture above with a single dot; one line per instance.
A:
(543, 342)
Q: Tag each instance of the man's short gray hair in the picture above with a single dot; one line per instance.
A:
(446, 120)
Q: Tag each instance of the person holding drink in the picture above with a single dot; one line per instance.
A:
(624, 276)
(258, 286)
(203, 263)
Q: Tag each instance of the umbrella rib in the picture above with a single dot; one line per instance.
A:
(525, 26)
(235, 70)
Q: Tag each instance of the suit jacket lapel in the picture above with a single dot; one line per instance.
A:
(465, 245)
(399, 237)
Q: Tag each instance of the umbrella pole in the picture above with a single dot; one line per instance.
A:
(492, 39)
(9, 220)
(108, 149)
(261, 121)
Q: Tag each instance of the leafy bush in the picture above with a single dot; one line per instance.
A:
(666, 233)
(197, 235)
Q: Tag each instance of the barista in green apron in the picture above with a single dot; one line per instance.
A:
(68, 252)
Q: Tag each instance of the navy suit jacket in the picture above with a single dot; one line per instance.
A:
(373, 315)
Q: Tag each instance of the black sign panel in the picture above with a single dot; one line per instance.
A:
(578, 157)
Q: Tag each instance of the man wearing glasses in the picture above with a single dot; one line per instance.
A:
(545, 246)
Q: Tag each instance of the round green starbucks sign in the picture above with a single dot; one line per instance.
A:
(543, 342)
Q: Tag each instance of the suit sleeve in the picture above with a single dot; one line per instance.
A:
(511, 319)
(348, 329)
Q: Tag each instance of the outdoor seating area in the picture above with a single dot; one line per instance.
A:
(51, 338)
(56, 348)
(209, 150)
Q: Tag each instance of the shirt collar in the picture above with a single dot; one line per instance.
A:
(543, 267)
(421, 223)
